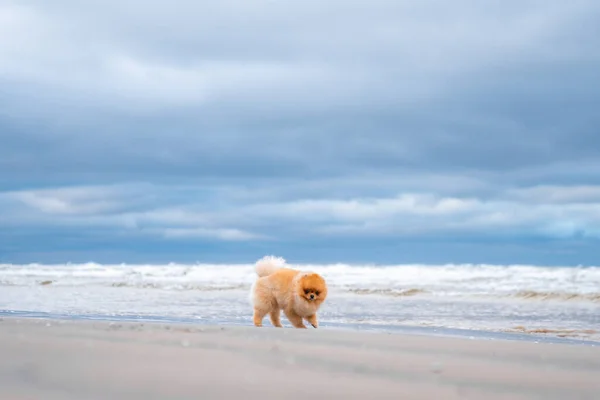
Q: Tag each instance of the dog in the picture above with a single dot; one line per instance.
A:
(298, 293)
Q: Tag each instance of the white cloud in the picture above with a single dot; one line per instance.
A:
(383, 51)
(69, 62)
(205, 81)
(222, 234)
(77, 200)
(295, 85)
(428, 214)
(120, 207)
(372, 208)
(557, 194)
(183, 213)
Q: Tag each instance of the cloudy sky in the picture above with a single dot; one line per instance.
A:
(385, 131)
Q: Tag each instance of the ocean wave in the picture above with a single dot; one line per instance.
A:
(558, 296)
(389, 292)
(180, 287)
(521, 282)
(523, 295)
(565, 333)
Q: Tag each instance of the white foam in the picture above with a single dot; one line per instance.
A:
(481, 297)
(437, 280)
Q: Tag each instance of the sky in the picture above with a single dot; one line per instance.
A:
(380, 131)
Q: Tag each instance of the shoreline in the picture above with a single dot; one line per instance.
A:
(74, 359)
(432, 331)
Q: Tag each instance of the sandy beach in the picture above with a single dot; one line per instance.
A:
(63, 359)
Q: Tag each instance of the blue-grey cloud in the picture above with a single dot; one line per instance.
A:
(250, 121)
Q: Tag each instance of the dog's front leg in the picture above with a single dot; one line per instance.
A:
(313, 320)
(294, 319)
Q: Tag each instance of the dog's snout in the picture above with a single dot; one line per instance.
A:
(312, 296)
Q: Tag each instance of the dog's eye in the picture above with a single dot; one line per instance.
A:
(306, 291)
(317, 292)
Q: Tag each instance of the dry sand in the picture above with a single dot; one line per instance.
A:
(50, 359)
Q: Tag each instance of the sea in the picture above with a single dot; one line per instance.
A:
(522, 302)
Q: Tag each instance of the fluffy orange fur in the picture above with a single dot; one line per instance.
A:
(299, 294)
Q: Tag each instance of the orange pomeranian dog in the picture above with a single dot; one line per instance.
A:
(299, 294)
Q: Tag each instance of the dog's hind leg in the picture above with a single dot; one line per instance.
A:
(259, 315)
(275, 317)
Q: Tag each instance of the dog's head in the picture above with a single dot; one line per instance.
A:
(312, 288)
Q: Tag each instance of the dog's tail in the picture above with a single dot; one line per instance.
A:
(269, 264)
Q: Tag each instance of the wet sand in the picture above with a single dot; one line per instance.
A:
(51, 359)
